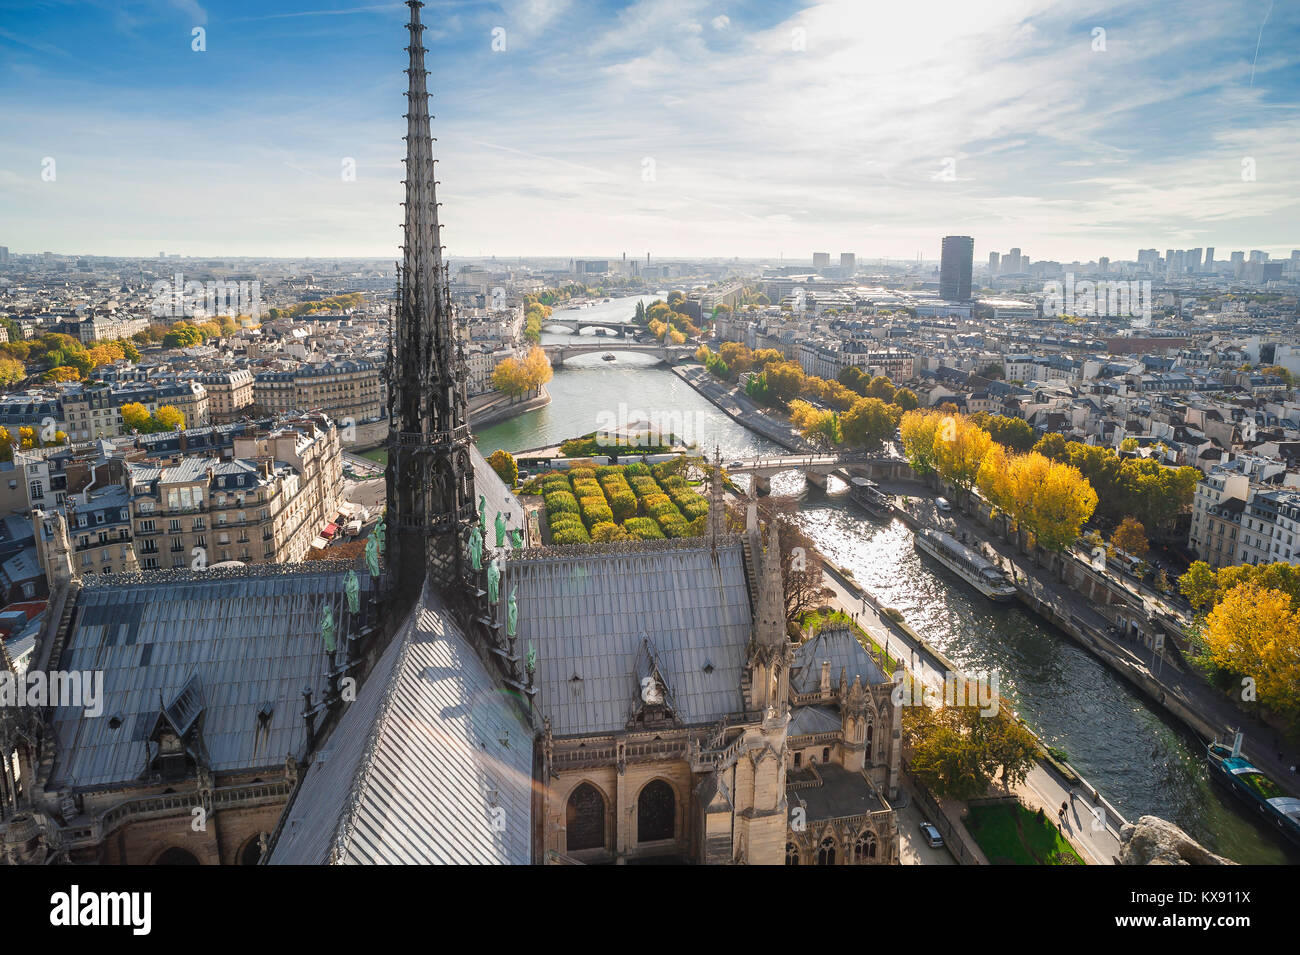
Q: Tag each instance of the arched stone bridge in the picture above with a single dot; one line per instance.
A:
(816, 467)
(668, 354)
(575, 325)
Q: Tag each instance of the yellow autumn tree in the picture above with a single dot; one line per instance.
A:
(959, 449)
(919, 429)
(170, 418)
(1059, 505)
(536, 368)
(1254, 632)
(135, 417)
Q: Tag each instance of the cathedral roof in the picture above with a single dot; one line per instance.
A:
(589, 611)
(431, 764)
(809, 720)
(496, 494)
(841, 648)
(249, 637)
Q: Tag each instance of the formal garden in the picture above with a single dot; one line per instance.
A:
(615, 502)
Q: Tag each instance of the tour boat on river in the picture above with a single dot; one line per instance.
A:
(868, 495)
(1257, 790)
(977, 570)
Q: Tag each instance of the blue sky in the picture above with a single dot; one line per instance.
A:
(678, 127)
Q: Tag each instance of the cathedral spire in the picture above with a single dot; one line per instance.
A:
(429, 476)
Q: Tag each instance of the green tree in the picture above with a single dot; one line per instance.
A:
(869, 421)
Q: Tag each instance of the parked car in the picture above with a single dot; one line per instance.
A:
(942, 504)
(932, 836)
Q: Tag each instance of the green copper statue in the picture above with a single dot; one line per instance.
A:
(476, 548)
(352, 588)
(482, 511)
(372, 555)
(494, 582)
(327, 628)
(531, 661)
(517, 538)
(380, 532)
(512, 613)
(501, 529)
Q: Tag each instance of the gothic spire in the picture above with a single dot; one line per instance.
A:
(430, 477)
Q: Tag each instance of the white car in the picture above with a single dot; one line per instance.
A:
(942, 504)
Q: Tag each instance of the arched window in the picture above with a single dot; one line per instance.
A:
(826, 854)
(585, 819)
(251, 854)
(865, 848)
(175, 856)
(791, 854)
(656, 812)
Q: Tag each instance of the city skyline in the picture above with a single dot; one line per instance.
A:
(689, 129)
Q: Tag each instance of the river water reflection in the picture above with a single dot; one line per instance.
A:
(1140, 762)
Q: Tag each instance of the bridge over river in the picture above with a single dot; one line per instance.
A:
(667, 354)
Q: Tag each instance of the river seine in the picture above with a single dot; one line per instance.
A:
(1140, 761)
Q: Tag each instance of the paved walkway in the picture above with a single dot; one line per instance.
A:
(1094, 834)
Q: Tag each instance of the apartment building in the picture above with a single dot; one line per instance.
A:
(1270, 528)
(87, 414)
(230, 394)
(823, 358)
(346, 390)
(264, 505)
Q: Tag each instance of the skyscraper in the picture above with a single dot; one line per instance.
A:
(993, 263)
(849, 261)
(430, 477)
(955, 268)
(821, 260)
(1209, 258)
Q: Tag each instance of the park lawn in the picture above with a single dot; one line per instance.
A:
(1010, 834)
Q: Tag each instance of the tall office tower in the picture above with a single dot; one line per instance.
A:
(849, 261)
(821, 260)
(1209, 258)
(4, 255)
(1103, 264)
(1257, 256)
(1149, 259)
(1169, 259)
(1238, 257)
(955, 268)
(1193, 260)
(1012, 261)
(993, 263)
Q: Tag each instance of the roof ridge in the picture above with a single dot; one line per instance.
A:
(343, 831)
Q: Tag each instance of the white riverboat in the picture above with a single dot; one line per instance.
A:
(966, 563)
